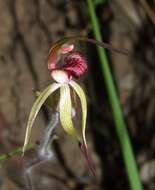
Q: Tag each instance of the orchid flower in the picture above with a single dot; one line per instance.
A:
(72, 67)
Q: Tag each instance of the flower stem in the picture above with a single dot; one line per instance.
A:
(16, 152)
(43, 147)
(121, 129)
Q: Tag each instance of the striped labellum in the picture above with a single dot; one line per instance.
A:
(75, 64)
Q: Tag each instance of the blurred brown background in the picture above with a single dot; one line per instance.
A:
(27, 31)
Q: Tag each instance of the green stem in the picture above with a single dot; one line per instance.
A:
(16, 152)
(121, 129)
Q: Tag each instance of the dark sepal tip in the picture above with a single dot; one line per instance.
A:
(88, 158)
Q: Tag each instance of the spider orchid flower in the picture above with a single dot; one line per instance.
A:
(74, 66)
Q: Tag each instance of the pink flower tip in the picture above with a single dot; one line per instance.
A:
(88, 158)
(66, 48)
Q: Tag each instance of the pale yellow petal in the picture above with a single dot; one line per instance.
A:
(65, 108)
(35, 109)
(82, 97)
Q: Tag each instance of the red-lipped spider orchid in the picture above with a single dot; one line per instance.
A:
(74, 66)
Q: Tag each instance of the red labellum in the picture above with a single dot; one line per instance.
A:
(75, 64)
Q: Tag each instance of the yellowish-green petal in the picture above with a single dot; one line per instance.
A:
(82, 97)
(35, 109)
(65, 109)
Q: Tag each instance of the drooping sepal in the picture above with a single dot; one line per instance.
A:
(65, 109)
(79, 91)
(35, 109)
